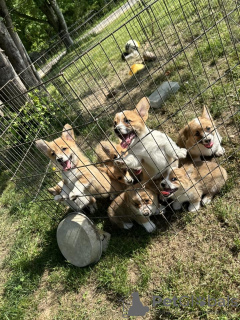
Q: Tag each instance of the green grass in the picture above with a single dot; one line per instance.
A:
(201, 255)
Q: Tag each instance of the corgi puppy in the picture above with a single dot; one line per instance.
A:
(56, 190)
(144, 145)
(201, 137)
(189, 184)
(106, 152)
(81, 178)
(134, 205)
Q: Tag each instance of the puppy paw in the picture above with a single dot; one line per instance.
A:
(73, 195)
(181, 153)
(149, 226)
(220, 152)
(206, 200)
(127, 225)
(160, 210)
(177, 205)
(194, 207)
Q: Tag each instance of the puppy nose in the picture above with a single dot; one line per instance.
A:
(207, 140)
(60, 159)
(163, 184)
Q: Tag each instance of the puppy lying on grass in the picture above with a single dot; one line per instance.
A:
(134, 205)
(193, 184)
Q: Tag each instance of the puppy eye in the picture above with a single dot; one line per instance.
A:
(119, 178)
(115, 156)
(64, 149)
(197, 134)
(124, 171)
(174, 179)
(146, 201)
(127, 120)
(208, 128)
(53, 153)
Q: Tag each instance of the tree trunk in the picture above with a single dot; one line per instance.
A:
(11, 85)
(56, 19)
(63, 29)
(13, 54)
(30, 76)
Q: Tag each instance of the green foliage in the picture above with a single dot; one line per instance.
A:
(36, 36)
(35, 115)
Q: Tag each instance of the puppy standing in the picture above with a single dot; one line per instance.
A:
(81, 178)
(152, 147)
(201, 137)
(189, 184)
(74, 204)
(134, 205)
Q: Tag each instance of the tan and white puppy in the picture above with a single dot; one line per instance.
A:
(81, 178)
(144, 145)
(74, 204)
(106, 152)
(189, 184)
(134, 205)
(201, 137)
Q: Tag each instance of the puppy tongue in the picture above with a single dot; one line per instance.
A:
(127, 138)
(137, 172)
(124, 144)
(165, 193)
(208, 145)
(66, 165)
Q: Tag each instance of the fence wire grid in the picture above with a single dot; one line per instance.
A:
(195, 43)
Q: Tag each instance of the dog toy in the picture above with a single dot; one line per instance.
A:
(135, 68)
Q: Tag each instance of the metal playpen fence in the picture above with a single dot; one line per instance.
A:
(193, 43)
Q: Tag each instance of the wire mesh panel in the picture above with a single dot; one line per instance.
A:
(118, 164)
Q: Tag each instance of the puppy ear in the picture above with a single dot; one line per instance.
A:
(42, 145)
(142, 108)
(183, 137)
(107, 149)
(67, 133)
(206, 113)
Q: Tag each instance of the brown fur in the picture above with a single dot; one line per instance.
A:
(187, 136)
(126, 207)
(137, 116)
(106, 152)
(93, 181)
(206, 179)
(193, 135)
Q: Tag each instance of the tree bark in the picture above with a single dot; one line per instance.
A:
(64, 34)
(30, 76)
(11, 85)
(14, 56)
(56, 19)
